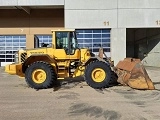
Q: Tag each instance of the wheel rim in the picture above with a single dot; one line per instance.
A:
(39, 76)
(98, 75)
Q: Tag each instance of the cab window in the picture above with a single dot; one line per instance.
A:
(61, 40)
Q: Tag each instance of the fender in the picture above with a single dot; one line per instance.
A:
(39, 57)
(96, 57)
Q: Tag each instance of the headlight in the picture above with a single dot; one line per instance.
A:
(16, 57)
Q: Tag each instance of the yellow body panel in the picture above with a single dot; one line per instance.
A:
(85, 55)
(54, 53)
(38, 51)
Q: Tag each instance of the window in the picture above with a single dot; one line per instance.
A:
(47, 39)
(9, 44)
(93, 39)
(61, 40)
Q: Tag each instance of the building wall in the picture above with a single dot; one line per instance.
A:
(98, 14)
(118, 44)
(119, 13)
(115, 14)
(30, 2)
(83, 14)
(138, 13)
(40, 21)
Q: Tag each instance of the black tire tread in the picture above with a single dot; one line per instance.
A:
(113, 80)
(50, 82)
(85, 74)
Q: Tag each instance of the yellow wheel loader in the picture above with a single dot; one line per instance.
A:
(43, 66)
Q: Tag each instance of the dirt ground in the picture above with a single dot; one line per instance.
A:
(75, 101)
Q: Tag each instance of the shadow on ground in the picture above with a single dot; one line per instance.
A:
(68, 83)
(156, 83)
(93, 111)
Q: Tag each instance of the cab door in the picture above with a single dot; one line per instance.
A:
(73, 50)
(66, 45)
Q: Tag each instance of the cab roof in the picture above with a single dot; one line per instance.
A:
(62, 29)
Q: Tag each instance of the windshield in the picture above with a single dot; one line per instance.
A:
(61, 40)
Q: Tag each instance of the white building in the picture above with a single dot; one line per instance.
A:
(125, 28)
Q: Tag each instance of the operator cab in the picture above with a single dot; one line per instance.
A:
(66, 40)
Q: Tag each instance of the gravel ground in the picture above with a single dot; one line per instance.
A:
(77, 101)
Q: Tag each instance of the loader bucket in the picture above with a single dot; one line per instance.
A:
(131, 72)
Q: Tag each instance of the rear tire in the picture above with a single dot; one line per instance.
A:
(97, 74)
(40, 75)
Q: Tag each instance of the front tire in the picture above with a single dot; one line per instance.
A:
(97, 74)
(40, 75)
(113, 80)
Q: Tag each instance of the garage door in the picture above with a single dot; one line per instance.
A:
(44, 39)
(94, 39)
(9, 44)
